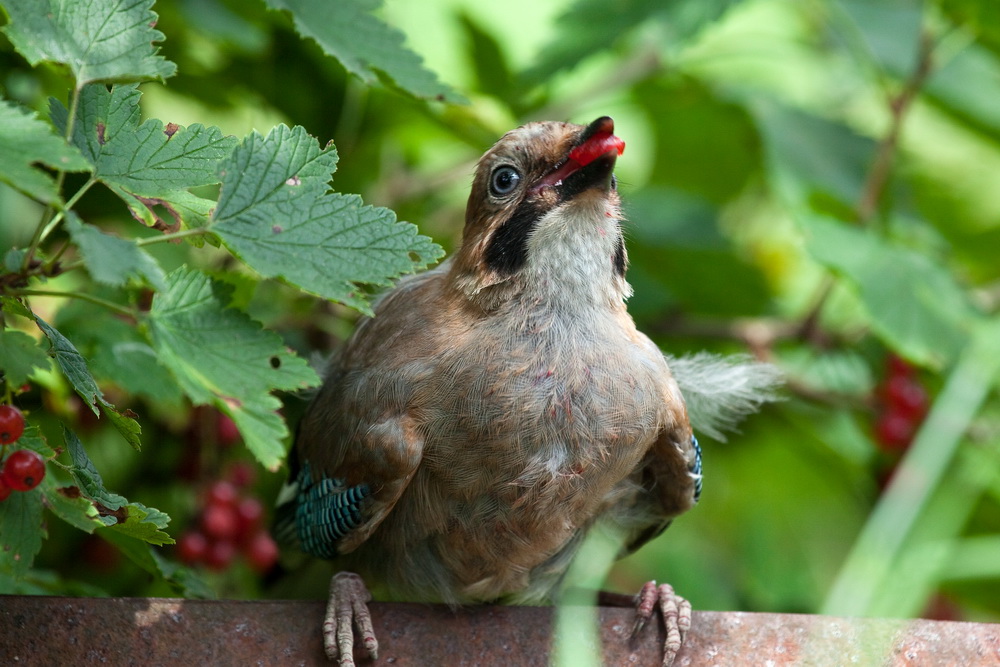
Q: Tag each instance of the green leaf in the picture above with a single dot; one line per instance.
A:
(679, 259)
(710, 146)
(221, 357)
(144, 523)
(26, 141)
(101, 114)
(11, 304)
(182, 579)
(490, 65)
(74, 367)
(117, 352)
(21, 523)
(90, 481)
(131, 364)
(20, 356)
(128, 518)
(366, 46)
(982, 16)
(275, 213)
(589, 27)
(966, 84)
(180, 206)
(97, 40)
(813, 160)
(33, 439)
(147, 165)
(67, 504)
(913, 303)
(21, 531)
(111, 260)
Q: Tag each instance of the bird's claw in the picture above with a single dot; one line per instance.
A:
(346, 610)
(676, 612)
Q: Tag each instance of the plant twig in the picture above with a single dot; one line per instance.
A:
(184, 233)
(878, 175)
(45, 224)
(118, 308)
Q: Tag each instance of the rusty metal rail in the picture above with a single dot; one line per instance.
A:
(52, 631)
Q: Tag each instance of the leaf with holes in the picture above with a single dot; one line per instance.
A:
(148, 164)
(276, 214)
(221, 357)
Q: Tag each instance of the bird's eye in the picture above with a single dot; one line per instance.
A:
(504, 180)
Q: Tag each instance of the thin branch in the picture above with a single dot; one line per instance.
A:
(83, 296)
(47, 215)
(878, 175)
(759, 334)
(184, 233)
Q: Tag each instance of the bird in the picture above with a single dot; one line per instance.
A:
(501, 405)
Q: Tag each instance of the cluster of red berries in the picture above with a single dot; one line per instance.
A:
(902, 406)
(230, 523)
(23, 469)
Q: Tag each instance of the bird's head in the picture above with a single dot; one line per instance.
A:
(544, 213)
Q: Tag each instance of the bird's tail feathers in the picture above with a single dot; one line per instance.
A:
(721, 390)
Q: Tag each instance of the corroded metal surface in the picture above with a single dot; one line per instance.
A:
(136, 631)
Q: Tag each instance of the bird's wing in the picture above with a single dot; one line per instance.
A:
(359, 446)
(327, 509)
(671, 481)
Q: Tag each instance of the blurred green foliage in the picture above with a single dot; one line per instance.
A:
(813, 181)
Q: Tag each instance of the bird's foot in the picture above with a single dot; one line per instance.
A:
(346, 610)
(676, 612)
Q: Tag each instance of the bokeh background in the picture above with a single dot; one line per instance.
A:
(816, 182)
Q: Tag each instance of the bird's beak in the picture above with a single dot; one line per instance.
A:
(590, 161)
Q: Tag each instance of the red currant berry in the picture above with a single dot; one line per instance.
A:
(905, 396)
(5, 490)
(226, 431)
(249, 513)
(11, 424)
(220, 554)
(100, 555)
(221, 493)
(192, 547)
(262, 552)
(23, 470)
(894, 431)
(219, 522)
(242, 474)
(897, 366)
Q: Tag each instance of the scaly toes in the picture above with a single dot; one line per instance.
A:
(676, 612)
(347, 608)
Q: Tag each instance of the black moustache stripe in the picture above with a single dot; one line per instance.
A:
(507, 251)
(620, 261)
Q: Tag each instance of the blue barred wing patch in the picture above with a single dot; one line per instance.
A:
(696, 468)
(326, 510)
